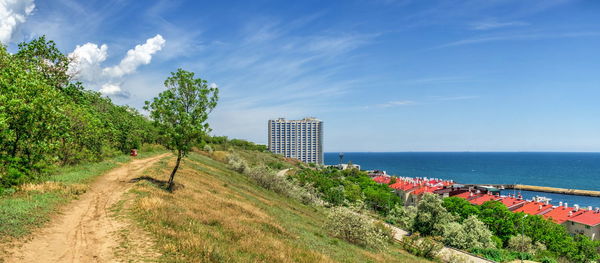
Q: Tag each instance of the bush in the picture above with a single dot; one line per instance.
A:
(357, 229)
(237, 163)
(500, 255)
(427, 247)
(268, 179)
(207, 148)
(403, 217)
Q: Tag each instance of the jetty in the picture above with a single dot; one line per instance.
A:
(544, 189)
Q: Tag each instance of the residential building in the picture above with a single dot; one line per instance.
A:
(586, 223)
(299, 139)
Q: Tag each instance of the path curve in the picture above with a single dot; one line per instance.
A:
(85, 231)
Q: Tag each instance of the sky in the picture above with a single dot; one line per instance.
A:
(383, 75)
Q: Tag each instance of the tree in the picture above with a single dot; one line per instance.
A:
(181, 112)
(472, 233)
(432, 216)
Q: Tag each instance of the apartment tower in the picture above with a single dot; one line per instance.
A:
(300, 139)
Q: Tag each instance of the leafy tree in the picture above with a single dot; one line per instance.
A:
(181, 112)
(498, 219)
(460, 207)
(403, 217)
(472, 233)
(432, 216)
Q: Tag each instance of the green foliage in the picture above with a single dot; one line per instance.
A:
(46, 120)
(181, 112)
(357, 229)
(347, 187)
(427, 247)
(432, 217)
(403, 217)
(460, 207)
(472, 233)
(225, 143)
(500, 255)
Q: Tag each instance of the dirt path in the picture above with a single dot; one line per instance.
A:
(86, 231)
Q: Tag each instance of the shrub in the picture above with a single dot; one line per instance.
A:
(207, 148)
(403, 217)
(237, 163)
(427, 247)
(268, 179)
(357, 229)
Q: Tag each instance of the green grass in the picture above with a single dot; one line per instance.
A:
(24, 210)
(222, 216)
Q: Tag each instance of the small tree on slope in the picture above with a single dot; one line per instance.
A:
(181, 112)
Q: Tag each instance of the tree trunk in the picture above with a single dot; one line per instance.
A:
(179, 154)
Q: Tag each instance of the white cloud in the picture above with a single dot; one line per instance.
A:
(86, 60)
(492, 24)
(86, 65)
(110, 89)
(140, 55)
(213, 85)
(397, 103)
(12, 14)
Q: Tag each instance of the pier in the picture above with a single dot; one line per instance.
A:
(544, 189)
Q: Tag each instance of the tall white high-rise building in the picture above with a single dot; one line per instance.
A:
(300, 139)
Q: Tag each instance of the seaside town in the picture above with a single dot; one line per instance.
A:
(388, 131)
(576, 219)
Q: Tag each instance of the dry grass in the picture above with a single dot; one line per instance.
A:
(221, 216)
(47, 187)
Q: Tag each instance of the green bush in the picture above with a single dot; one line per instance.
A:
(427, 247)
(357, 229)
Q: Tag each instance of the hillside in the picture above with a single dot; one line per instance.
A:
(218, 215)
(214, 215)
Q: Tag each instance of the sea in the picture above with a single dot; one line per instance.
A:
(562, 170)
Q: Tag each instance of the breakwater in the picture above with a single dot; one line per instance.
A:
(545, 189)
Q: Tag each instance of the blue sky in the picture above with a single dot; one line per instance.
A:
(384, 75)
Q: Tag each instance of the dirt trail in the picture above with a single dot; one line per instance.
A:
(86, 231)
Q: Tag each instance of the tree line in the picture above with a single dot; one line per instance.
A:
(48, 119)
(493, 231)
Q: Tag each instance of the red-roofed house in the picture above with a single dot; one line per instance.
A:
(467, 195)
(534, 208)
(561, 214)
(512, 203)
(382, 179)
(586, 223)
(483, 198)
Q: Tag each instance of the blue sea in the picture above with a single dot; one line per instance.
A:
(563, 170)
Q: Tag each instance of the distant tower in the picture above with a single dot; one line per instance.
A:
(341, 158)
(300, 139)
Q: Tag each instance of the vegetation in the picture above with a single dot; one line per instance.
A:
(47, 121)
(542, 238)
(348, 187)
(180, 113)
(357, 229)
(226, 216)
(31, 204)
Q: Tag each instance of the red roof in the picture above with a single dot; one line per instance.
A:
(561, 214)
(511, 201)
(534, 208)
(588, 217)
(425, 189)
(466, 195)
(382, 179)
(483, 198)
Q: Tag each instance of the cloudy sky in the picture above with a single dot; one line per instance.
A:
(384, 75)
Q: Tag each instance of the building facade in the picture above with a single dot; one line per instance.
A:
(299, 139)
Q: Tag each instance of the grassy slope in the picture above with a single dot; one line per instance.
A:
(33, 205)
(221, 216)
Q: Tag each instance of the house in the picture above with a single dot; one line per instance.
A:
(586, 223)
(535, 208)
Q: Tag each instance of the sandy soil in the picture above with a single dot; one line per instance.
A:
(86, 231)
